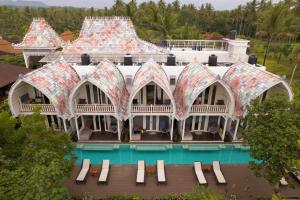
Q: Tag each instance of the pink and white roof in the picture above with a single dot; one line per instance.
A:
(193, 80)
(248, 82)
(107, 77)
(147, 73)
(110, 35)
(56, 81)
(40, 36)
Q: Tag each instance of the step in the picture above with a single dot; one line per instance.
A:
(98, 147)
(149, 147)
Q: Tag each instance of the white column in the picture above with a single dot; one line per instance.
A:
(193, 122)
(82, 121)
(183, 129)
(236, 128)
(77, 130)
(172, 127)
(224, 129)
(130, 127)
(59, 122)
(157, 123)
(94, 122)
(119, 130)
(219, 120)
(144, 122)
(65, 125)
(26, 59)
(47, 122)
(99, 121)
(206, 122)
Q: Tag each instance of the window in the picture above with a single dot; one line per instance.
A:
(172, 80)
(128, 80)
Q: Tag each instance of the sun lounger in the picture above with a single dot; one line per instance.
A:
(218, 172)
(104, 171)
(86, 163)
(283, 181)
(140, 177)
(161, 176)
(199, 173)
(296, 175)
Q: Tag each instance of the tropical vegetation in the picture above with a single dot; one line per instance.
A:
(273, 133)
(33, 161)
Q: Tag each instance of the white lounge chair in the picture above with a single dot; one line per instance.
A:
(283, 181)
(161, 176)
(199, 173)
(296, 175)
(104, 171)
(140, 176)
(218, 172)
(86, 163)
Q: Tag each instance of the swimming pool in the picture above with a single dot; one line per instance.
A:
(170, 153)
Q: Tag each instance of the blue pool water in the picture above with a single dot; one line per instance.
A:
(171, 154)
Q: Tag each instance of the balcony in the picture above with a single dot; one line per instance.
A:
(94, 108)
(45, 108)
(157, 109)
(209, 109)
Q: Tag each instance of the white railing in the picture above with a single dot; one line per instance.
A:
(204, 44)
(209, 109)
(94, 108)
(45, 108)
(151, 109)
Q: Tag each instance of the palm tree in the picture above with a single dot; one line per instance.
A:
(273, 21)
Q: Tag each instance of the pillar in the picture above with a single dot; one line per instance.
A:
(94, 122)
(183, 129)
(26, 59)
(130, 127)
(224, 128)
(172, 128)
(65, 125)
(119, 130)
(76, 124)
(236, 128)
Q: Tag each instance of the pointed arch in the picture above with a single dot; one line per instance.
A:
(55, 81)
(248, 82)
(150, 72)
(192, 81)
(109, 80)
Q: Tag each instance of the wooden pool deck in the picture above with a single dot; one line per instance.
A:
(180, 179)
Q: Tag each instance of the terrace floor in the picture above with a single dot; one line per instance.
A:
(157, 136)
(181, 178)
(105, 136)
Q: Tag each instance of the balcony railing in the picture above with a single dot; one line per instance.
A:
(45, 108)
(209, 109)
(151, 109)
(94, 108)
(204, 44)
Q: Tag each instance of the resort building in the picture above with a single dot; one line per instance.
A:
(108, 83)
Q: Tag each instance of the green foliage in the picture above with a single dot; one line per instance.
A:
(272, 132)
(32, 159)
(153, 21)
(12, 59)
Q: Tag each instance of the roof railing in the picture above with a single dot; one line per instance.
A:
(204, 45)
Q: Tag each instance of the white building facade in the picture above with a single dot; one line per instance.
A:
(109, 84)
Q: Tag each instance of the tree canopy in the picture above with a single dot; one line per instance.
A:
(33, 161)
(155, 21)
(273, 133)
